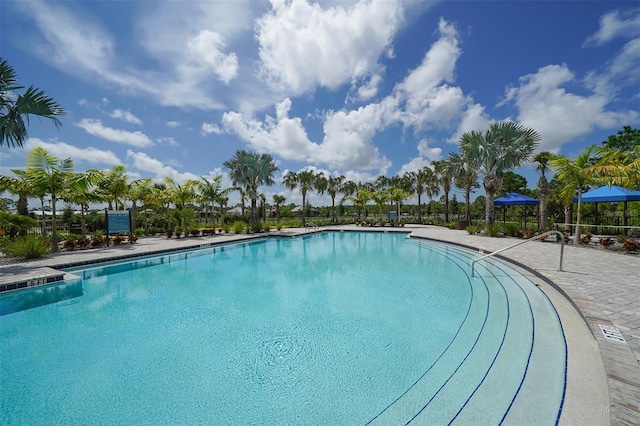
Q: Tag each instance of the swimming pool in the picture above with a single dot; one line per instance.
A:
(334, 328)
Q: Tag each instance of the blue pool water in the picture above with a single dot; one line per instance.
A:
(335, 328)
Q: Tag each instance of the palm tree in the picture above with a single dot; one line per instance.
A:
(14, 110)
(305, 180)
(250, 170)
(574, 174)
(542, 166)
(444, 177)
(334, 186)
(504, 146)
(380, 197)
(423, 180)
(137, 191)
(360, 200)
(52, 176)
(399, 195)
(465, 177)
(115, 184)
(82, 191)
(20, 186)
(211, 190)
(616, 167)
(278, 201)
(181, 196)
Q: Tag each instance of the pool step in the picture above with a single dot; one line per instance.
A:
(544, 369)
(18, 277)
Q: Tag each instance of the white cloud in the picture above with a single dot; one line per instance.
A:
(619, 73)
(280, 135)
(473, 118)
(184, 40)
(426, 155)
(616, 24)
(167, 140)
(560, 116)
(303, 45)
(96, 128)
(78, 155)
(125, 116)
(206, 54)
(143, 162)
(347, 142)
(210, 128)
(369, 89)
(173, 124)
(428, 100)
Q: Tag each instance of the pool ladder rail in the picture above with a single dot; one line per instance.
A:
(312, 226)
(536, 237)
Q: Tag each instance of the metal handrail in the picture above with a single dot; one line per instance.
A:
(312, 225)
(537, 237)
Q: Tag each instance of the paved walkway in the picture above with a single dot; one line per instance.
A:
(604, 288)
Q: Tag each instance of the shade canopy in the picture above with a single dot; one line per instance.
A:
(609, 194)
(515, 199)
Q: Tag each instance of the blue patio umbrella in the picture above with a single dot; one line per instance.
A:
(514, 199)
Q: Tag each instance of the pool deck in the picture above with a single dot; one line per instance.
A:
(602, 286)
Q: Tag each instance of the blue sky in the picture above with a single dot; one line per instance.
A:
(360, 88)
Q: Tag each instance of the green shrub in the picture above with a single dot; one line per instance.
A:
(471, 229)
(28, 247)
(493, 230)
(238, 227)
(138, 232)
(256, 227)
(226, 228)
(511, 229)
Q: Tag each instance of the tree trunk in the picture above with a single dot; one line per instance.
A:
(446, 206)
(419, 209)
(334, 219)
(54, 225)
(467, 205)
(543, 213)
(489, 183)
(567, 218)
(304, 197)
(576, 237)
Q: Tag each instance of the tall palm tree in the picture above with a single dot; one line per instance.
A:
(465, 177)
(542, 166)
(278, 201)
(306, 181)
(250, 170)
(504, 146)
(444, 177)
(334, 186)
(575, 175)
(15, 110)
(52, 176)
(423, 180)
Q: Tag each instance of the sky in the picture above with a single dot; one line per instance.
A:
(353, 88)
